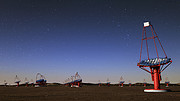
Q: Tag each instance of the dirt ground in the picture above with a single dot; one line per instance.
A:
(86, 93)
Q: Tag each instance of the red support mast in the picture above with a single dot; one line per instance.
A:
(155, 64)
(121, 82)
(99, 84)
(130, 83)
(145, 83)
(17, 81)
(74, 81)
(167, 82)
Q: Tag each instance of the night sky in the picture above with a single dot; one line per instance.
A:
(100, 39)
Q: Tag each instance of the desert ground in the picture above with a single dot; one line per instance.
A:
(86, 93)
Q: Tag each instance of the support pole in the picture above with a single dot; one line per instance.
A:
(121, 84)
(78, 84)
(26, 84)
(156, 77)
(167, 85)
(72, 84)
(144, 84)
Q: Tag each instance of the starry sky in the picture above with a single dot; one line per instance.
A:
(100, 39)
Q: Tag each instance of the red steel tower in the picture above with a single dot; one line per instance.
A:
(26, 82)
(130, 83)
(99, 83)
(121, 83)
(167, 82)
(155, 65)
(108, 82)
(17, 81)
(145, 83)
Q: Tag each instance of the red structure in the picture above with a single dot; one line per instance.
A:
(74, 81)
(167, 82)
(26, 82)
(17, 81)
(108, 82)
(129, 83)
(156, 65)
(99, 83)
(145, 83)
(32, 83)
(5, 83)
(121, 83)
(40, 80)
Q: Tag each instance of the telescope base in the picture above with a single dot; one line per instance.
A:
(156, 90)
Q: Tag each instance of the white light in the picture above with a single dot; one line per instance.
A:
(146, 24)
(154, 90)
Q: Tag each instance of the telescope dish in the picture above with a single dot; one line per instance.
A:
(74, 81)
(108, 82)
(99, 83)
(26, 82)
(17, 80)
(40, 80)
(121, 83)
(31, 82)
(129, 83)
(121, 80)
(5, 83)
(167, 82)
(156, 65)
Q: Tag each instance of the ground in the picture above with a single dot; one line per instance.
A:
(86, 93)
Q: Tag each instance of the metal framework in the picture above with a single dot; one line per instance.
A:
(108, 82)
(156, 65)
(130, 83)
(5, 83)
(167, 82)
(99, 83)
(32, 82)
(74, 81)
(121, 83)
(40, 80)
(26, 82)
(145, 83)
(17, 80)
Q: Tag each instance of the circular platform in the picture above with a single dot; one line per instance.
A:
(157, 90)
(36, 86)
(76, 86)
(154, 62)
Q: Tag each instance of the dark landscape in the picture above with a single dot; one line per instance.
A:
(86, 93)
(81, 43)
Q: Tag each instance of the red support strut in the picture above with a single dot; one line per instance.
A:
(17, 85)
(156, 77)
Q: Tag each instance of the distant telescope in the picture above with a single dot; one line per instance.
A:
(17, 81)
(40, 80)
(75, 81)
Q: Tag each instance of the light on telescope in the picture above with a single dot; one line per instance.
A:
(146, 24)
